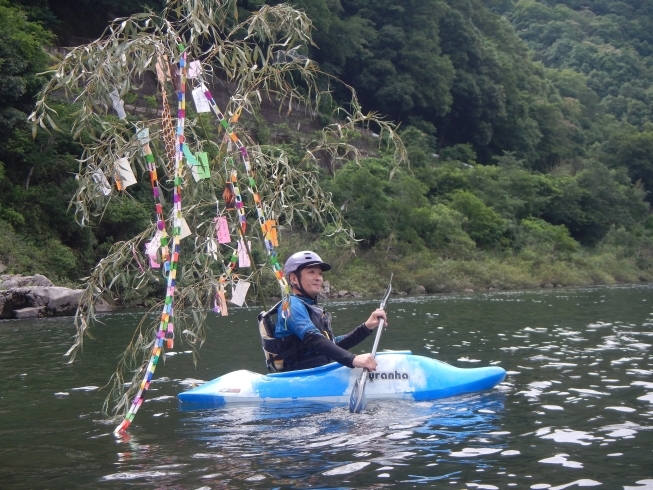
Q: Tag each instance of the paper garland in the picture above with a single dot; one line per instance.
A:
(267, 226)
(167, 317)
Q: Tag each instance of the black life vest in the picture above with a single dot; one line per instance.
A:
(286, 354)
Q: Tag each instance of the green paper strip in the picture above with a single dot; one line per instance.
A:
(189, 156)
(203, 171)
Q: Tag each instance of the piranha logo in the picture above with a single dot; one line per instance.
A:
(378, 375)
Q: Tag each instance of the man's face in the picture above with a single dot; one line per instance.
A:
(312, 279)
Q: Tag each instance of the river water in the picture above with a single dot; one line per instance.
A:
(574, 411)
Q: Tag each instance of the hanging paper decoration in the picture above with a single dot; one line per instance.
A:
(201, 169)
(243, 253)
(143, 136)
(194, 69)
(151, 249)
(101, 181)
(118, 104)
(239, 292)
(212, 249)
(125, 175)
(221, 300)
(201, 104)
(222, 230)
(167, 317)
(184, 229)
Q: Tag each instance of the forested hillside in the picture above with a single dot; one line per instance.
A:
(528, 124)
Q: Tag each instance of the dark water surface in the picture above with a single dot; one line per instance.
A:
(574, 411)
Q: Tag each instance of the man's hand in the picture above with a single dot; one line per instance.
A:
(365, 361)
(373, 321)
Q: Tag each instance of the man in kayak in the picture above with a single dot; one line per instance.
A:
(305, 339)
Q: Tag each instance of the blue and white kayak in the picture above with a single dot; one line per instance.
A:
(399, 375)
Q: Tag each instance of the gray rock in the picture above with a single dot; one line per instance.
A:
(342, 293)
(326, 287)
(50, 301)
(102, 306)
(356, 294)
(420, 290)
(468, 290)
(547, 285)
(18, 281)
(32, 312)
(2, 267)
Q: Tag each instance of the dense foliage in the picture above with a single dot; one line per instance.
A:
(529, 126)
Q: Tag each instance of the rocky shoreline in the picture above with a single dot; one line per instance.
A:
(36, 297)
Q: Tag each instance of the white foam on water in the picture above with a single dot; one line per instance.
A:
(212, 475)
(644, 384)
(384, 468)
(498, 433)
(134, 475)
(584, 391)
(612, 455)
(510, 452)
(622, 433)
(486, 410)
(481, 486)
(646, 398)
(383, 475)
(61, 393)
(206, 456)
(404, 434)
(580, 483)
(562, 460)
(621, 409)
(622, 360)
(540, 486)
(85, 388)
(160, 398)
(552, 407)
(643, 372)
(255, 478)
(571, 436)
(467, 359)
(469, 452)
(346, 469)
(360, 439)
(644, 485)
(191, 382)
(158, 414)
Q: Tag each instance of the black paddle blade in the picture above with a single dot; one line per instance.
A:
(358, 400)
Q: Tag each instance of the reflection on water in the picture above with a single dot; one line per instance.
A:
(575, 410)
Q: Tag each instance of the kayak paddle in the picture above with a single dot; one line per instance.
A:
(357, 401)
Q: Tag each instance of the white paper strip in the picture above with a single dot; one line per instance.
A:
(118, 104)
(212, 249)
(201, 102)
(243, 256)
(101, 181)
(125, 172)
(239, 293)
(185, 229)
(194, 69)
(143, 136)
